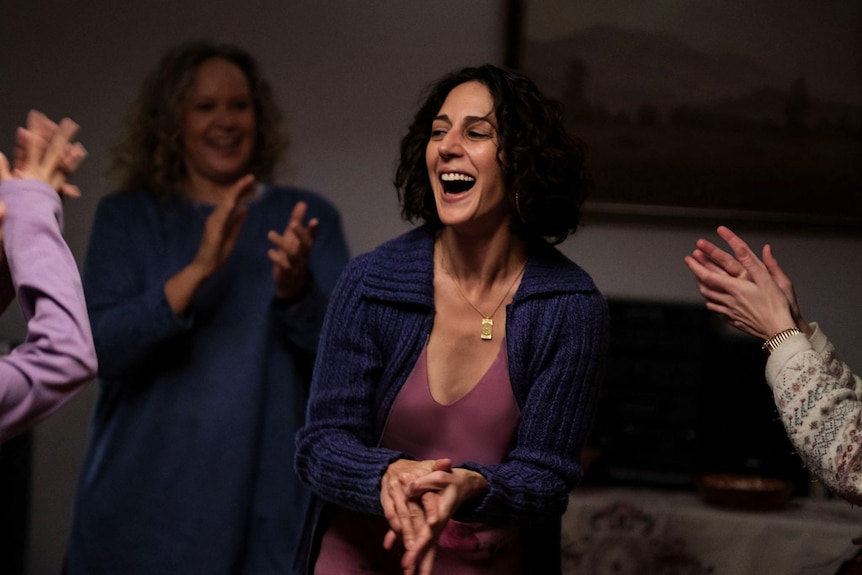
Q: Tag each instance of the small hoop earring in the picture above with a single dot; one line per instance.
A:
(518, 207)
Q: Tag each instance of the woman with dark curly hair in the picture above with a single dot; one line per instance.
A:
(206, 287)
(459, 363)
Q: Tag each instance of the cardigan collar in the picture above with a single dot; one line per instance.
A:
(402, 270)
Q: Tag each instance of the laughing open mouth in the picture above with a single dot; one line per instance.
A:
(456, 183)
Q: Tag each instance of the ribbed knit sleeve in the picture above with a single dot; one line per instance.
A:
(336, 450)
(556, 350)
(379, 318)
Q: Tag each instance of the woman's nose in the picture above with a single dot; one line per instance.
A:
(451, 144)
(226, 117)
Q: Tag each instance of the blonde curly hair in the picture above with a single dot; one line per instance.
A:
(149, 152)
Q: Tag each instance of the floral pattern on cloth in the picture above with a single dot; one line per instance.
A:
(819, 400)
(623, 539)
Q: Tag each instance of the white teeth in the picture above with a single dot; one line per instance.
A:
(455, 177)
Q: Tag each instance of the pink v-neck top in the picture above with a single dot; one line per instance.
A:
(480, 427)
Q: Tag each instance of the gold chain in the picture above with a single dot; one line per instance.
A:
(487, 332)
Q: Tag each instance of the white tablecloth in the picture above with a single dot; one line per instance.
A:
(645, 532)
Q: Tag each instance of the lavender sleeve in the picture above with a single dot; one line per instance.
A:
(57, 357)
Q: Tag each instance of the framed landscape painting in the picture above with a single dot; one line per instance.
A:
(716, 109)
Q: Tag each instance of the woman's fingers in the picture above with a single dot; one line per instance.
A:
(412, 506)
(5, 171)
(427, 563)
(402, 513)
(720, 258)
(57, 146)
(45, 151)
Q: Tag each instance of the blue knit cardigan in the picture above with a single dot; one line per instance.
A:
(378, 321)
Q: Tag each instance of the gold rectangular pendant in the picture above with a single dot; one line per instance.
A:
(487, 328)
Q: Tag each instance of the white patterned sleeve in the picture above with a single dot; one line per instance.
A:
(820, 402)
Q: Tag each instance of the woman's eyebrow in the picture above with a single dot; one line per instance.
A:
(467, 119)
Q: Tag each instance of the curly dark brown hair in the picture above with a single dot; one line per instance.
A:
(542, 164)
(149, 152)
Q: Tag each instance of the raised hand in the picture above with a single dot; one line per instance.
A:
(786, 286)
(290, 253)
(741, 287)
(223, 225)
(220, 233)
(44, 150)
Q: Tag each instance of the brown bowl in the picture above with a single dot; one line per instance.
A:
(749, 492)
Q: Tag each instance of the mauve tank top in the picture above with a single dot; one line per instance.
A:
(478, 427)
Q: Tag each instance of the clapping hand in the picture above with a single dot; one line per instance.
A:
(44, 151)
(290, 253)
(753, 295)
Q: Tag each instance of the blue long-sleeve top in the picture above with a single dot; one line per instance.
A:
(189, 464)
(379, 319)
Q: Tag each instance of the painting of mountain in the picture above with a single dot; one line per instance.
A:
(674, 129)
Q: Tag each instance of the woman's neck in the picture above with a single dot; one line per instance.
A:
(481, 260)
(203, 191)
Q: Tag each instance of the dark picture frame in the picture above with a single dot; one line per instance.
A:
(714, 110)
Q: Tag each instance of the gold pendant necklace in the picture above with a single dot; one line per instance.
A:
(487, 332)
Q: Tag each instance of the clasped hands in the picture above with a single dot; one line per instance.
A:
(419, 498)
